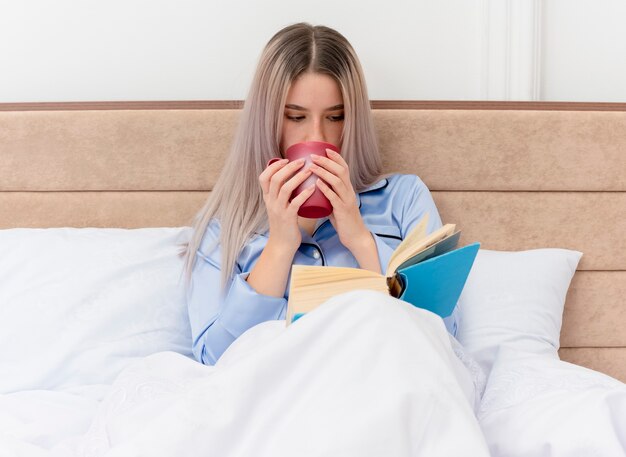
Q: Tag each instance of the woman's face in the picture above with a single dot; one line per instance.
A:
(313, 111)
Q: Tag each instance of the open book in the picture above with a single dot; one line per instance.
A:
(428, 271)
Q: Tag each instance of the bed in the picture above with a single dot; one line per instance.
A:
(536, 183)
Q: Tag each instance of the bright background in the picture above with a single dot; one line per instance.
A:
(88, 50)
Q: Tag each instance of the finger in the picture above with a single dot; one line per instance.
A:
(265, 176)
(337, 166)
(281, 176)
(287, 190)
(330, 165)
(328, 192)
(335, 156)
(301, 198)
(337, 184)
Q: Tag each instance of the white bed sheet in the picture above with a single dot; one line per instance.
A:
(94, 347)
(365, 374)
(538, 406)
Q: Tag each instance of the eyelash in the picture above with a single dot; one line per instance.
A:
(332, 118)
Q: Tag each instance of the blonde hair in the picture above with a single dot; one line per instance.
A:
(236, 200)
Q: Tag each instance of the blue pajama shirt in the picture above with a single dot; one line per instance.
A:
(390, 209)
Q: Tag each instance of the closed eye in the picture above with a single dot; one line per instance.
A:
(337, 118)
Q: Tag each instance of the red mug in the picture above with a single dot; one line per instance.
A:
(317, 205)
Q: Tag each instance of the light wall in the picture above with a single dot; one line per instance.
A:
(584, 50)
(88, 50)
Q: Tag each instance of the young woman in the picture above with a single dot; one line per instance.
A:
(309, 86)
(364, 374)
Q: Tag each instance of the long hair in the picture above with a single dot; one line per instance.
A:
(236, 200)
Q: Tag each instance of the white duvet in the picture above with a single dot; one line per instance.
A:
(95, 346)
(364, 375)
(537, 406)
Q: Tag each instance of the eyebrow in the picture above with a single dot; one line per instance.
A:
(301, 108)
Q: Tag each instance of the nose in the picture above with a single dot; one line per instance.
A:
(316, 131)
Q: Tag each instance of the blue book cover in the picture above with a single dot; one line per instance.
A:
(435, 284)
(426, 270)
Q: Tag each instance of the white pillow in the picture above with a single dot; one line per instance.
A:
(539, 406)
(78, 305)
(515, 299)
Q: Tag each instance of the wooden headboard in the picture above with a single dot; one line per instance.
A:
(513, 175)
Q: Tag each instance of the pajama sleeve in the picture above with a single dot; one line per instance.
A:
(217, 318)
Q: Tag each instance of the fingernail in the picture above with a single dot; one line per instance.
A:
(330, 151)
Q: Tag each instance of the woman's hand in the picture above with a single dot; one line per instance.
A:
(346, 217)
(278, 181)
